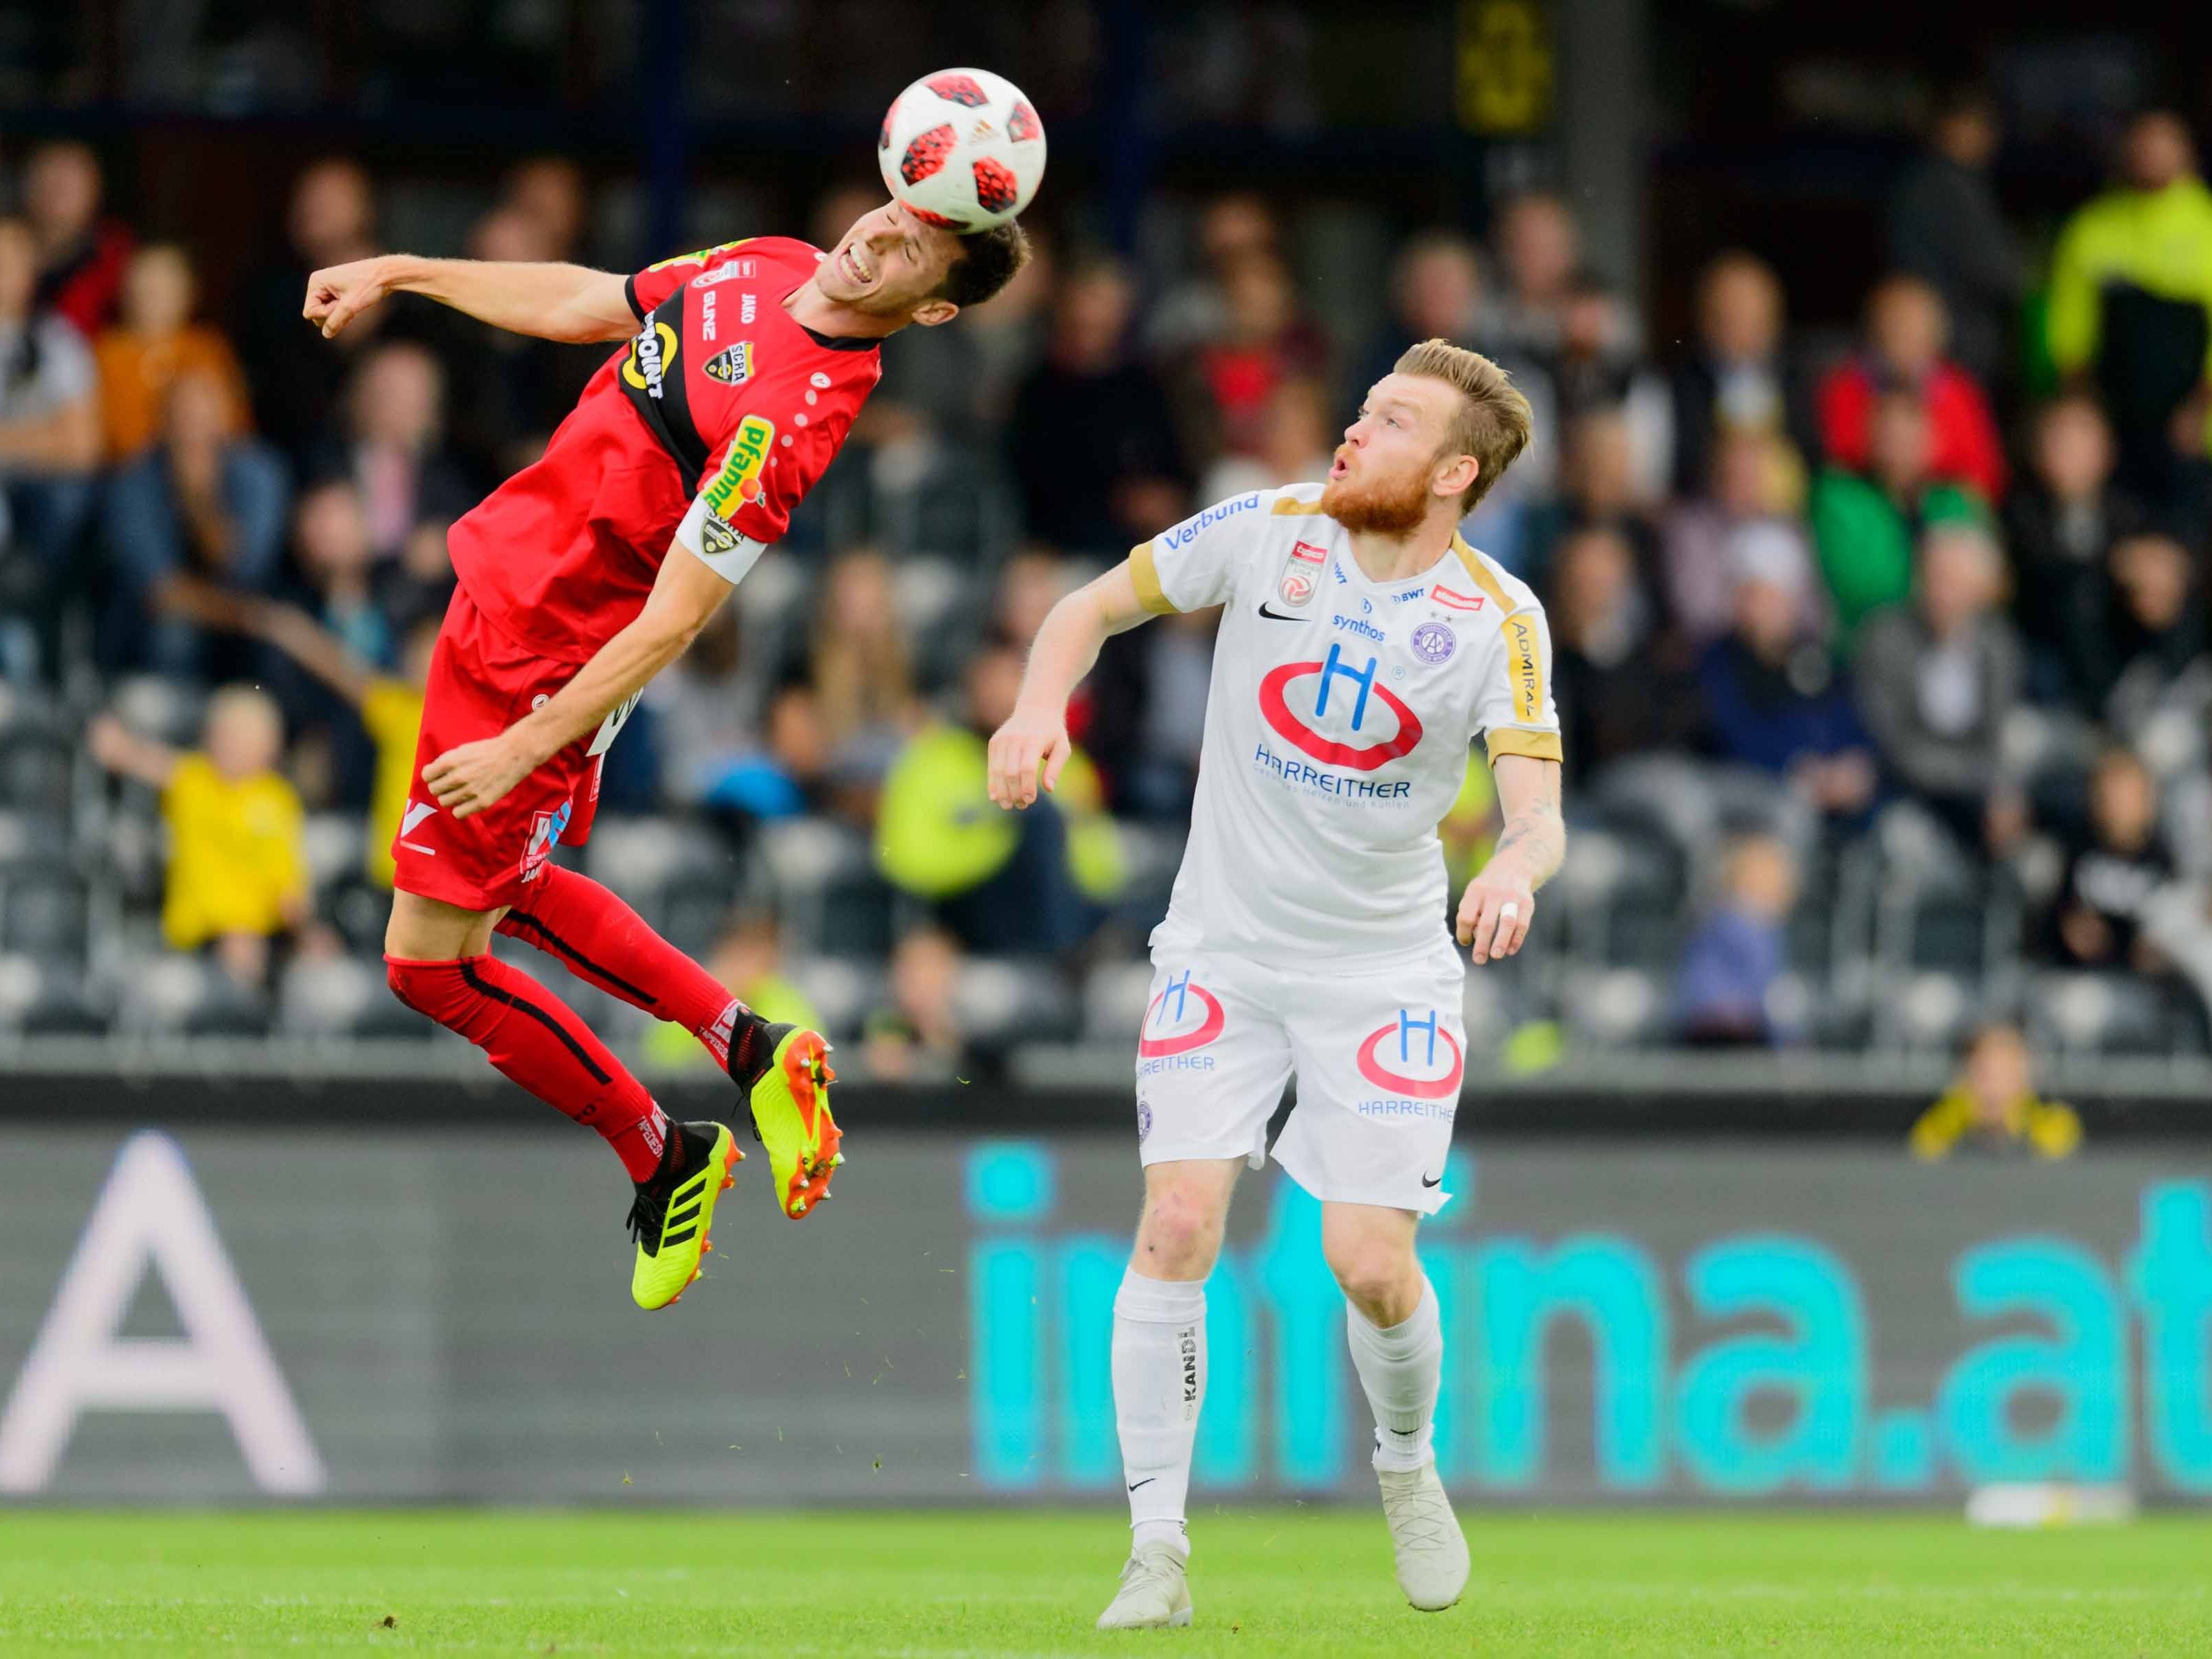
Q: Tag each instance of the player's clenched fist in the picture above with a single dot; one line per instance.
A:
(1026, 742)
(336, 296)
(467, 779)
(1494, 914)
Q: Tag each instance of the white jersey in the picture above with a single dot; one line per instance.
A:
(1337, 726)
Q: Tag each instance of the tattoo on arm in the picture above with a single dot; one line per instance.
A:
(1537, 836)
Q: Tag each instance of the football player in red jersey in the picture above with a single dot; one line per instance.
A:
(580, 578)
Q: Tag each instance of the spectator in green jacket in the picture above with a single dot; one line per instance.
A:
(1000, 883)
(2130, 305)
(1865, 527)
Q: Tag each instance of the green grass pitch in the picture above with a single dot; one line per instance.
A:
(981, 1585)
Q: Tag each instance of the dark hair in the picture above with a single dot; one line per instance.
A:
(987, 262)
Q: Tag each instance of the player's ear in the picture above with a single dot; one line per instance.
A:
(930, 313)
(1456, 475)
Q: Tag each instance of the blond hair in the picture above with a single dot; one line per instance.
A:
(1493, 423)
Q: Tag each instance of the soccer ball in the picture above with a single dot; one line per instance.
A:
(963, 148)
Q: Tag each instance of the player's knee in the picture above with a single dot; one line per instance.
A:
(1181, 1232)
(1379, 1276)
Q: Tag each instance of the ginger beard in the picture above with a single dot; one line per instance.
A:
(1381, 506)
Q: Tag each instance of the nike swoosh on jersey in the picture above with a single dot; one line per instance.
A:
(1277, 615)
(1439, 1182)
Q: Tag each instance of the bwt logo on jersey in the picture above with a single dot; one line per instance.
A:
(732, 367)
(651, 355)
(1188, 532)
(1182, 1017)
(1346, 701)
(1416, 1061)
(545, 829)
(739, 479)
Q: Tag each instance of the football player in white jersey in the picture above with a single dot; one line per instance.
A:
(1363, 645)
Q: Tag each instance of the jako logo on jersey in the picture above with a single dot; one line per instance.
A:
(739, 479)
(1334, 672)
(1188, 532)
(732, 367)
(545, 829)
(1416, 1049)
(651, 355)
(1180, 1025)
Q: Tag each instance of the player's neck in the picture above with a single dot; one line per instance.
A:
(1392, 558)
(810, 307)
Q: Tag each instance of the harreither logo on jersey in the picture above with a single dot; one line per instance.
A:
(1181, 1018)
(1338, 711)
(1414, 1059)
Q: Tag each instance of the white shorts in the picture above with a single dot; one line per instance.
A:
(1379, 1058)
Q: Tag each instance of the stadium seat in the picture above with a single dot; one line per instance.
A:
(173, 995)
(1622, 890)
(1927, 1010)
(46, 999)
(342, 997)
(33, 846)
(2098, 1014)
(337, 846)
(158, 707)
(843, 992)
(1002, 1002)
(38, 770)
(50, 917)
(1115, 997)
(1614, 1007)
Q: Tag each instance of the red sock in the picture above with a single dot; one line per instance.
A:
(537, 1039)
(601, 939)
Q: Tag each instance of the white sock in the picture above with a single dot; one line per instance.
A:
(1159, 1383)
(1401, 1369)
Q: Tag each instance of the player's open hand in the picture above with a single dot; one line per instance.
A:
(1494, 914)
(341, 292)
(1026, 742)
(470, 777)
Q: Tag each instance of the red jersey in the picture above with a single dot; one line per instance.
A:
(718, 417)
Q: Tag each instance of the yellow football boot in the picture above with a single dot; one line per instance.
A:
(673, 1211)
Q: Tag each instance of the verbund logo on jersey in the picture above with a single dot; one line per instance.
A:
(1416, 1062)
(1183, 1018)
(1188, 532)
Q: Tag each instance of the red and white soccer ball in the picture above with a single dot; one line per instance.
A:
(963, 148)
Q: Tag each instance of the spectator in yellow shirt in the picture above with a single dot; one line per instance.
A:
(238, 868)
(1993, 1109)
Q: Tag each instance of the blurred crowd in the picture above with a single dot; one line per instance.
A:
(1882, 660)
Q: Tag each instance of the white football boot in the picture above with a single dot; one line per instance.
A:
(1153, 1595)
(1425, 1536)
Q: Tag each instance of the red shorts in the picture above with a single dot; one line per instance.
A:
(481, 683)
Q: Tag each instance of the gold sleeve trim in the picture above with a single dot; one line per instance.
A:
(1512, 740)
(1145, 572)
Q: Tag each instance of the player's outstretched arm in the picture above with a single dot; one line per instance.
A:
(1035, 734)
(687, 591)
(573, 304)
(1501, 901)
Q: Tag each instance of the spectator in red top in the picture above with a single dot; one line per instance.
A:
(81, 255)
(1265, 339)
(1905, 329)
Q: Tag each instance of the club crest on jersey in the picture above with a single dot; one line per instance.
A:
(652, 355)
(545, 829)
(1434, 641)
(739, 481)
(1413, 1057)
(1301, 570)
(1182, 1016)
(1320, 708)
(733, 367)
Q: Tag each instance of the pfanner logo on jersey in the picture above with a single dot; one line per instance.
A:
(1189, 530)
(739, 481)
(652, 353)
(1320, 708)
(1416, 1062)
(1183, 1018)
